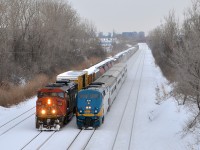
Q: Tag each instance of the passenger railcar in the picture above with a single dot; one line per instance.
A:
(94, 101)
(95, 71)
(125, 55)
(55, 105)
(114, 78)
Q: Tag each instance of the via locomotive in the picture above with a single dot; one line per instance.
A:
(95, 101)
(55, 105)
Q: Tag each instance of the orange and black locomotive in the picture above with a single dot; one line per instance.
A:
(55, 105)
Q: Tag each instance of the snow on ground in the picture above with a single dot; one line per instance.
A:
(156, 126)
(9, 113)
(148, 127)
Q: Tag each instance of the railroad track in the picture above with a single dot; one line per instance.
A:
(82, 137)
(9, 125)
(31, 140)
(135, 108)
(2, 125)
(129, 101)
(81, 140)
(39, 140)
(47, 138)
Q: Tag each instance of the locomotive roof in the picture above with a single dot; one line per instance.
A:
(113, 73)
(120, 65)
(99, 89)
(107, 79)
(110, 77)
(115, 70)
(56, 86)
(96, 86)
(72, 75)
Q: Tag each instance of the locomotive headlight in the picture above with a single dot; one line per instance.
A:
(80, 111)
(43, 111)
(49, 102)
(53, 111)
(95, 111)
(88, 107)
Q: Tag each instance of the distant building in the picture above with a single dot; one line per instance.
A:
(127, 34)
(130, 34)
(141, 35)
(106, 41)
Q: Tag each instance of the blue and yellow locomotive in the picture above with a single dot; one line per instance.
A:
(94, 101)
(91, 105)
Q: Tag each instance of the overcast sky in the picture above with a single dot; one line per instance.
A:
(128, 15)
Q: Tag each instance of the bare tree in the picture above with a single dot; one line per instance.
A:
(178, 49)
(42, 37)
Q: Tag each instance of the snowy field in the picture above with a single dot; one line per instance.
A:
(134, 122)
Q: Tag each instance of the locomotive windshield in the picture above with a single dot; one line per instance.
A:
(88, 96)
(91, 98)
(50, 94)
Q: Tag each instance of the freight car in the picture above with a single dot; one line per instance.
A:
(55, 105)
(94, 101)
(99, 69)
(84, 77)
(80, 77)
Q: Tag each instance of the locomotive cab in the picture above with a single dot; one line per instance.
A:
(91, 107)
(55, 106)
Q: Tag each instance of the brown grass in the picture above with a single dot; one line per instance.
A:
(12, 94)
(88, 63)
(16, 94)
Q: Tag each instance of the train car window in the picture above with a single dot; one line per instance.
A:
(119, 81)
(113, 89)
(106, 67)
(40, 94)
(88, 96)
(65, 95)
(104, 93)
(101, 70)
(43, 94)
(83, 96)
(61, 94)
(68, 97)
(94, 96)
(51, 94)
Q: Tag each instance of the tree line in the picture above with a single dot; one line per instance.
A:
(176, 49)
(42, 36)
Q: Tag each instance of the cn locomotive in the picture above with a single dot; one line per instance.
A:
(55, 105)
(94, 101)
